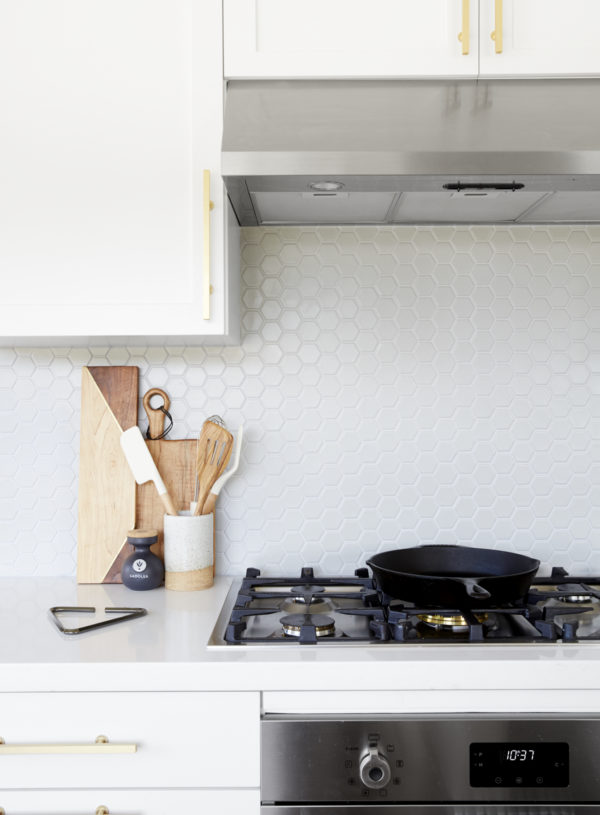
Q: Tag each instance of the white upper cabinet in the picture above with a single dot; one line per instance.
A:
(411, 38)
(539, 37)
(350, 38)
(110, 114)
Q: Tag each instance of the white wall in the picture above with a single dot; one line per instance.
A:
(399, 386)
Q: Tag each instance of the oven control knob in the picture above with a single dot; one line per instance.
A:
(374, 770)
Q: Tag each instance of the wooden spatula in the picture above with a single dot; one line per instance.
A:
(214, 450)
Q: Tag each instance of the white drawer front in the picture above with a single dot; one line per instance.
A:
(132, 802)
(182, 740)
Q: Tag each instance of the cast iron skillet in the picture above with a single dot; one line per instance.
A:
(453, 576)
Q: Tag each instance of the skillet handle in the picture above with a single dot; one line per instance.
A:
(473, 588)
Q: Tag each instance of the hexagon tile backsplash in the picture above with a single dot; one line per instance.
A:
(398, 386)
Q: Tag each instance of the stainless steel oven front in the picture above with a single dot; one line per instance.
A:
(431, 765)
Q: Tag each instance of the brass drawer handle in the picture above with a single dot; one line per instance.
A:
(101, 746)
(101, 810)
(465, 35)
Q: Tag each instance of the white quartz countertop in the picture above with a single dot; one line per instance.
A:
(167, 650)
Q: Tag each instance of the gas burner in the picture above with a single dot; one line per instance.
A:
(573, 593)
(307, 604)
(307, 599)
(293, 624)
(305, 594)
(449, 622)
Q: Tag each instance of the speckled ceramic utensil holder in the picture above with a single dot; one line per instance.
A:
(188, 543)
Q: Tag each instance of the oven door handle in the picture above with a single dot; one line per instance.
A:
(426, 809)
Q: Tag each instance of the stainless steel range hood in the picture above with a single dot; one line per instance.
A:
(413, 152)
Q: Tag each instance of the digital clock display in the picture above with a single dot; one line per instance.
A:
(519, 754)
(519, 764)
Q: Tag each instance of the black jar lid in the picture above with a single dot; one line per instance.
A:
(144, 536)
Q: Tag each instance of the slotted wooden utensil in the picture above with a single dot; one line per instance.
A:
(214, 451)
(211, 501)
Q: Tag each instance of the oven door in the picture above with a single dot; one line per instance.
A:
(417, 809)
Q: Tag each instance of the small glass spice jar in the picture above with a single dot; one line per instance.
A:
(143, 569)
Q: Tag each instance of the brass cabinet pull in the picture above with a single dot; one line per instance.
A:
(207, 205)
(100, 746)
(496, 34)
(101, 810)
(465, 35)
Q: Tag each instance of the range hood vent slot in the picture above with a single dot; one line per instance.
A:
(482, 187)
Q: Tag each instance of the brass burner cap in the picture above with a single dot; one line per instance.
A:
(455, 622)
(292, 624)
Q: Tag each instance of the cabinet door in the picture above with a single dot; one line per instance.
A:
(110, 112)
(131, 802)
(337, 38)
(540, 37)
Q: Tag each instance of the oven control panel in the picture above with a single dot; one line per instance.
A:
(519, 764)
(428, 759)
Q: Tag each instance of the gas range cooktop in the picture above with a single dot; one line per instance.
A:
(311, 610)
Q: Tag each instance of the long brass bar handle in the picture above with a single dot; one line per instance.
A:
(101, 810)
(465, 35)
(207, 206)
(100, 746)
(496, 34)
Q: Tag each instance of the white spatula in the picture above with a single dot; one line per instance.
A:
(142, 465)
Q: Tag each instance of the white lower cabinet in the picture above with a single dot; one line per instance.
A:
(144, 753)
(131, 802)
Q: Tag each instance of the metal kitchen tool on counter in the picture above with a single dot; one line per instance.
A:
(142, 465)
(450, 575)
(126, 614)
(214, 451)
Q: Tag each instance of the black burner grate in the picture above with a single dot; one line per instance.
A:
(542, 616)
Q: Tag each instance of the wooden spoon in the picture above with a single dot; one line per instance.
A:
(214, 450)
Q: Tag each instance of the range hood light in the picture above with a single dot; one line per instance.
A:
(326, 186)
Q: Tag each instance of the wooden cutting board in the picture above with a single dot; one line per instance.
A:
(110, 502)
(176, 462)
(107, 494)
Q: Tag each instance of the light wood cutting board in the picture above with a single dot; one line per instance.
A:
(176, 462)
(107, 490)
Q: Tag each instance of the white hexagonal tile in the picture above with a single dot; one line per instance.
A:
(398, 385)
